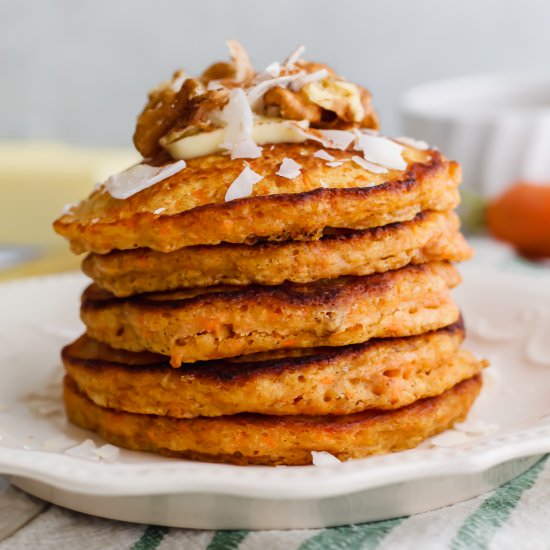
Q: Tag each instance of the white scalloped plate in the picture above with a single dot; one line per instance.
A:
(509, 322)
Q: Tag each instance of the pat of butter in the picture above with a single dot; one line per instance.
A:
(264, 131)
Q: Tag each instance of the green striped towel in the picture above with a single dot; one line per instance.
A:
(514, 516)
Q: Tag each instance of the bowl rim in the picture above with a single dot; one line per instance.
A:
(434, 99)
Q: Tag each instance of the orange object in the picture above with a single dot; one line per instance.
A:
(521, 216)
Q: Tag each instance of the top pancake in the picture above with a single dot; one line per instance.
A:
(194, 210)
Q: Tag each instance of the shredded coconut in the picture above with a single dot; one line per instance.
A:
(159, 210)
(289, 169)
(293, 57)
(323, 183)
(140, 177)
(411, 142)
(67, 208)
(237, 115)
(108, 453)
(273, 70)
(303, 79)
(474, 426)
(243, 184)
(322, 458)
(371, 167)
(335, 163)
(322, 154)
(256, 93)
(381, 150)
(58, 443)
(83, 450)
(450, 438)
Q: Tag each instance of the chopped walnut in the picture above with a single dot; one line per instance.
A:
(283, 103)
(168, 109)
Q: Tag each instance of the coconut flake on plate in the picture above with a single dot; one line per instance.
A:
(322, 458)
(370, 166)
(474, 426)
(83, 450)
(381, 150)
(237, 116)
(411, 142)
(450, 438)
(58, 443)
(289, 169)
(243, 184)
(107, 452)
(140, 177)
(325, 155)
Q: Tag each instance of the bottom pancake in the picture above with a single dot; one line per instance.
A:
(273, 440)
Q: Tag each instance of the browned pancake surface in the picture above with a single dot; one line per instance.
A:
(431, 236)
(382, 374)
(257, 439)
(216, 322)
(194, 210)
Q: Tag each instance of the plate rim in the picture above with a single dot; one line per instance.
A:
(173, 476)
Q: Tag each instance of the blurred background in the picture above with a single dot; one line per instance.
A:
(74, 76)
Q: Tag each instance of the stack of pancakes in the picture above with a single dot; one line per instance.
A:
(313, 314)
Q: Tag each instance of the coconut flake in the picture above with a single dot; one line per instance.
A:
(411, 142)
(303, 79)
(293, 57)
(474, 426)
(58, 443)
(67, 208)
(243, 184)
(83, 450)
(108, 453)
(214, 85)
(243, 66)
(273, 70)
(322, 458)
(450, 438)
(332, 139)
(322, 154)
(289, 169)
(323, 183)
(335, 163)
(371, 167)
(159, 210)
(140, 177)
(381, 150)
(256, 93)
(239, 124)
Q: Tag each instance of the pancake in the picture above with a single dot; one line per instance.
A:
(431, 236)
(191, 209)
(202, 324)
(386, 373)
(272, 440)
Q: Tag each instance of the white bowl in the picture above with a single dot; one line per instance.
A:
(496, 126)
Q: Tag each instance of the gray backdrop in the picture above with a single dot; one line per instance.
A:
(79, 69)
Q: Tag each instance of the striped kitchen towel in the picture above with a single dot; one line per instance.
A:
(514, 516)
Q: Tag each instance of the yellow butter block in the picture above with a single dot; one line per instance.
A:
(38, 178)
